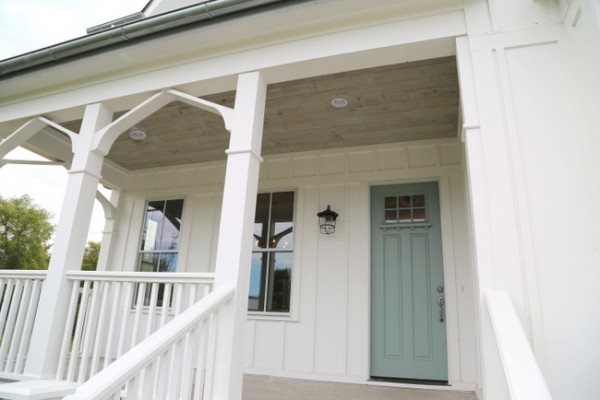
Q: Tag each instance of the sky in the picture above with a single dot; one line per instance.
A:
(28, 25)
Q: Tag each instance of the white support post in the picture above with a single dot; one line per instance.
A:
(234, 249)
(69, 245)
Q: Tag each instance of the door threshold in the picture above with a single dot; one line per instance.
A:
(409, 381)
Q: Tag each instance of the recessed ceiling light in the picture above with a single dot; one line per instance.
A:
(137, 135)
(339, 102)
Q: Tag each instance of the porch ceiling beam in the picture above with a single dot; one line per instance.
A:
(109, 134)
(20, 136)
(106, 136)
(225, 112)
(26, 132)
(33, 162)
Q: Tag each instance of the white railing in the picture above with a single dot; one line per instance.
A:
(176, 362)
(19, 297)
(110, 312)
(521, 375)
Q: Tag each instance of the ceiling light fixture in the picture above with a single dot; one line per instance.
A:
(339, 102)
(137, 135)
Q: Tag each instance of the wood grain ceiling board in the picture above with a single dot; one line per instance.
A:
(395, 103)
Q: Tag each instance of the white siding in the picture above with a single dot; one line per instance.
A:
(326, 335)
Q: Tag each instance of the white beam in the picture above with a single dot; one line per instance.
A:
(20, 136)
(225, 112)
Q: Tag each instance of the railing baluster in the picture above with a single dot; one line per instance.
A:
(213, 325)
(116, 299)
(174, 371)
(8, 289)
(28, 326)
(201, 355)
(100, 338)
(62, 361)
(125, 317)
(24, 299)
(187, 364)
(10, 322)
(90, 333)
(178, 298)
(139, 307)
(73, 361)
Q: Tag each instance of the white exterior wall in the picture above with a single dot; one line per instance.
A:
(326, 335)
(531, 125)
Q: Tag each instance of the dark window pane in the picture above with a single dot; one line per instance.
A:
(391, 216)
(391, 202)
(257, 281)
(162, 225)
(405, 201)
(171, 225)
(168, 263)
(419, 214)
(149, 262)
(261, 220)
(405, 216)
(282, 215)
(419, 200)
(153, 225)
(280, 282)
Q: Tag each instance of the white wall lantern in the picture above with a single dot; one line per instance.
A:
(327, 220)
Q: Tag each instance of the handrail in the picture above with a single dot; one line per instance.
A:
(13, 273)
(524, 379)
(116, 375)
(127, 276)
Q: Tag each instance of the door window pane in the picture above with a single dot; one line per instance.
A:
(404, 208)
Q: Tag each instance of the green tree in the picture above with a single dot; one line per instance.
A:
(90, 257)
(25, 230)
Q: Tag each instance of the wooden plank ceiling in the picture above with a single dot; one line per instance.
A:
(396, 103)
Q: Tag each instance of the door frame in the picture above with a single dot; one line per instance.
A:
(449, 268)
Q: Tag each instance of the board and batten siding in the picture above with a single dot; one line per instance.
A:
(326, 334)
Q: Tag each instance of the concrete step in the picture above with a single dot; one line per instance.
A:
(269, 388)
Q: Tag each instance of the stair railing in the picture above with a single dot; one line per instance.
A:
(176, 362)
(110, 312)
(523, 379)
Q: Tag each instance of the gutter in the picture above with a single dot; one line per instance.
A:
(127, 29)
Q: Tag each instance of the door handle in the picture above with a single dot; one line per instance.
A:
(441, 302)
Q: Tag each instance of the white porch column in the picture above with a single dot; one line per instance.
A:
(69, 245)
(235, 233)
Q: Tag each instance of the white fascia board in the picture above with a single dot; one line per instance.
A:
(388, 43)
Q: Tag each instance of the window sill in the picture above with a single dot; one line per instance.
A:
(265, 316)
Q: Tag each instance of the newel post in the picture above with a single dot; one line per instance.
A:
(69, 245)
(234, 249)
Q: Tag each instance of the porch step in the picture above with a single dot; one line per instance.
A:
(269, 388)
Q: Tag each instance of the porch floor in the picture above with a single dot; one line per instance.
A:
(269, 388)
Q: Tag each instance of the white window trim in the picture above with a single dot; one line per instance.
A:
(181, 248)
(293, 314)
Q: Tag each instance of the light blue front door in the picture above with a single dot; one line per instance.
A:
(408, 328)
